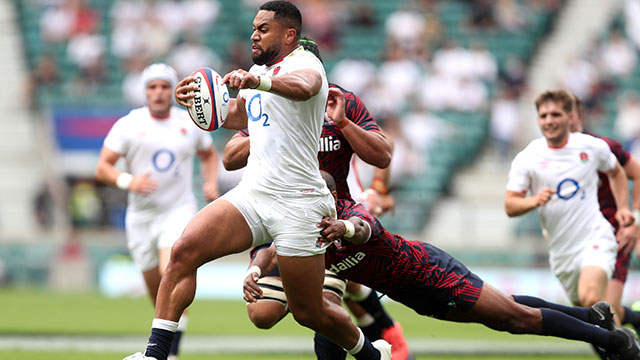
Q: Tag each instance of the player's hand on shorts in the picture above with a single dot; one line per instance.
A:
(335, 107)
(627, 237)
(544, 196)
(143, 184)
(250, 288)
(210, 190)
(332, 229)
(240, 79)
(184, 91)
(624, 217)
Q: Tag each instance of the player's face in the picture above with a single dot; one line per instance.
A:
(554, 123)
(159, 94)
(267, 38)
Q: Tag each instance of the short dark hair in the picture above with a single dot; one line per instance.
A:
(285, 13)
(562, 97)
(311, 46)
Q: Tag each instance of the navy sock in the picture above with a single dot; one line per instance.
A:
(373, 306)
(159, 343)
(556, 323)
(372, 332)
(534, 302)
(368, 352)
(631, 317)
(175, 344)
(326, 349)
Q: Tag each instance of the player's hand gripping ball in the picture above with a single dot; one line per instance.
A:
(211, 101)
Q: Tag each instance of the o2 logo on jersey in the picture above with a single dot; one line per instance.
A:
(163, 159)
(254, 111)
(568, 188)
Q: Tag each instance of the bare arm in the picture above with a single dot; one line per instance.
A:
(517, 204)
(632, 169)
(300, 85)
(209, 167)
(236, 152)
(108, 174)
(265, 260)
(371, 146)
(334, 229)
(618, 183)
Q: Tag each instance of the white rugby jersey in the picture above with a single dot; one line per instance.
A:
(573, 214)
(284, 133)
(165, 149)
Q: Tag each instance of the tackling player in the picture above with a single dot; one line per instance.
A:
(431, 282)
(158, 142)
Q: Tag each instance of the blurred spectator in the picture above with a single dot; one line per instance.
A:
(484, 65)
(617, 56)
(482, 14)
(320, 22)
(200, 15)
(514, 74)
(509, 15)
(470, 96)
(57, 23)
(43, 77)
(505, 118)
(86, 19)
(190, 54)
(133, 90)
(355, 75)
(627, 125)
(361, 14)
(126, 40)
(581, 78)
(406, 161)
(406, 28)
(632, 21)
(43, 207)
(398, 75)
(84, 204)
(85, 49)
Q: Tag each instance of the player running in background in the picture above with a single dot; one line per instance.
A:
(281, 196)
(348, 129)
(627, 236)
(158, 143)
(561, 169)
(431, 282)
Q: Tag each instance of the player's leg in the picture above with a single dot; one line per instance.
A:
(302, 278)
(500, 312)
(373, 319)
(217, 230)
(592, 285)
(324, 348)
(624, 314)
(164, 255)
(271, 307)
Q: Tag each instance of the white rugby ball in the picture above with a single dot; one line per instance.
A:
(211, 102)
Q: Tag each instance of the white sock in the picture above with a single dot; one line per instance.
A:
(182, 323)
(356, 349)
(164, 325)
(365, 320)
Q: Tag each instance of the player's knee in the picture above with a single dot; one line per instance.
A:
(263, 319)
(590, 297)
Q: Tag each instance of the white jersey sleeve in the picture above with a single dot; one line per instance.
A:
(519, 179)
(119, 137)
(606, 159)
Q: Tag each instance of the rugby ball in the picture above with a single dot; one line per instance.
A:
(210, 104)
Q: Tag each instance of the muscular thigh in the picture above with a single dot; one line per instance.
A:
(302, 279)
(217, 230)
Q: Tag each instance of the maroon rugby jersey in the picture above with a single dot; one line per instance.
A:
(412, 272)
(605, 196)
(335, 152)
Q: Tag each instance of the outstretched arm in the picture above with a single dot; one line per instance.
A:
(299, 85)
(264, 261)
(209, 161)
(618, 183)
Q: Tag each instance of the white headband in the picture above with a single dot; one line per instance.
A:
(160, 71)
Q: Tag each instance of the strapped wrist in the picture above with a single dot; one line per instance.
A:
(254, 269)
(264, 83)
(351, 229)
(378, 185)
(124, 180)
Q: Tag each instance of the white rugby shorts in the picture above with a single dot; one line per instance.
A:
(145, 238)
(289, 222)
(601, 251)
